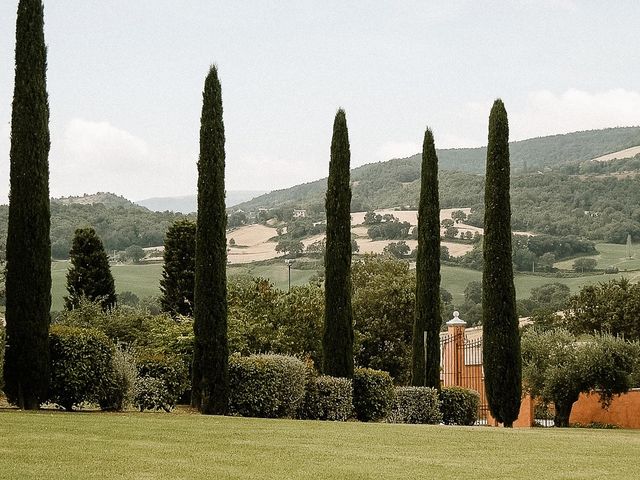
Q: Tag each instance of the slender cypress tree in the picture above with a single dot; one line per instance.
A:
(210, 384)
(501, 338)
(28, 282)
(337, 340)
(427, 316)
(90, 274)
(178, 273)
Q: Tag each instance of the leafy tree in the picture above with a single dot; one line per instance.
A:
(178, 273)
(551, 296)
(426, 372)
(337, 341)
(501, 338)
(585, 264)
(290, 247)
(458, 216)
(447, 223)
(135, 253)
(372, 218)
(210, 381)
(28, 282)
(397, 249)
(89, 275)
(473, 292)
(557, 368)
(546, 261)
(128, 298)
(451, 232)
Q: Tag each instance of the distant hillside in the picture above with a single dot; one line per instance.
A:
(189, 203)
(105, 198)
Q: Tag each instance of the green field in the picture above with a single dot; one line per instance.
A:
(611, 254)
(170, 446)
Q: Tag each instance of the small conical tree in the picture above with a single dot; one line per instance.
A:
(28, 282)
(89, 275)
(178, 273)
(501, 338)
(427, 316)
(337, 340)
(210, 385)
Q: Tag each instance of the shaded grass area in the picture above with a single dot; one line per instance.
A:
(158, 446)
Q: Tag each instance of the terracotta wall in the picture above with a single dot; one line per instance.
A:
(624, 410)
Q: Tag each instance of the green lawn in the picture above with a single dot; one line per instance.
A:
(611, 254)
(180, 446)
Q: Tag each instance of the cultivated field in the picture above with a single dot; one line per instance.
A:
(64, 446)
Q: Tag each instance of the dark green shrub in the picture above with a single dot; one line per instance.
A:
(415, 405)
(373, 394)
(329, 398)
(118, 389)
(459, 406)
(2, 339)
(81, 365)
(270, 386)
(170, 380)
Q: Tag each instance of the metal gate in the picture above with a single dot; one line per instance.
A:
(461, 366)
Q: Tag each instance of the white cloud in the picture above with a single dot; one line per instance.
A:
(547, 113)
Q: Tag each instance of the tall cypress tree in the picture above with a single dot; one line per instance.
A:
(427, 316)
(178, 273)
(89, 275)
(337, 340)
(28, 281)
(210, 386)
(501, 338)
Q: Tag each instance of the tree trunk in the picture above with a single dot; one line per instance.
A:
(563, 412)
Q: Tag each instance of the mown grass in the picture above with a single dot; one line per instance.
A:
(611, 254)
(181, 446)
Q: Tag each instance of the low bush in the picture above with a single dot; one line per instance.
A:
(162, 379)
(373, 394)
(81, 365)
(459, 406)
(269, 386)
(415, 405)
(329, 398)
(119, 387)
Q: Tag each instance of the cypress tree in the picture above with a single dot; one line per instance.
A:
(89, 275)
(427, 316)
(501, 338)
(178, 273)
(210, 386)
(337, 339)
(28, 280)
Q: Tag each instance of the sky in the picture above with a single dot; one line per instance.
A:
(125, 82)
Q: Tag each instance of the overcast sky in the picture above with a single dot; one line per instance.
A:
(125, 82)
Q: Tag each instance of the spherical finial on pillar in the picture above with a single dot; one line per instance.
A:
(456, 321)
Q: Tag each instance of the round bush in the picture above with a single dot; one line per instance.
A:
(162, 379)
(459, 406)
(416, 405)
(269, 386)
(81, 365)
(373, 394)
(329, 398)
(119, 387)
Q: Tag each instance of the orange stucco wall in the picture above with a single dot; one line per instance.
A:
(525, 416)
(624, 410)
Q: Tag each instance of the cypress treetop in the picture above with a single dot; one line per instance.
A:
(28, 281)
(337, 341)
(178, 273)
(501, 338)
(427, 316)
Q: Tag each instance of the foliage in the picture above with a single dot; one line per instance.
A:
(501, 339)
(459, 405)
(28, 250)
(397, 249)
(290, 247)
(2, 339)
(415, 405)
(389, 229)
(81, 366)
(373, 394)
(585, 264)
(551, 296)
(329, 398)
(135, 253)
(178, 273)
(89, 275)
(210, 380)
(557, 368)
(428, 318)
(337, 339)
(269, 386)
(162, 380)
(612, 307)
(383, 309)
(119, 387)
(128, 298)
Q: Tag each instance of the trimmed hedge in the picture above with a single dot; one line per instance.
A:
(162, 379)
(268, 386)
(373, 394)
(459, 406)
(329, 398)
(416, 405)
(81, 365)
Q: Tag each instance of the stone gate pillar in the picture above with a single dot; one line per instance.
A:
(455, 328)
